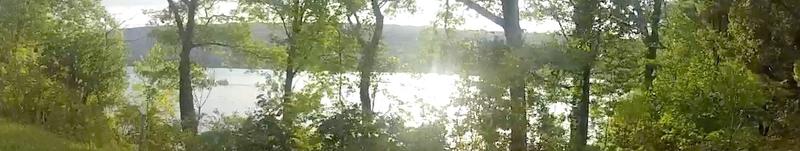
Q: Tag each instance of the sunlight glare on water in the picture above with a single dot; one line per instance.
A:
(397, 92)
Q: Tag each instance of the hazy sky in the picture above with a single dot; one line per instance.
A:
(129, 14)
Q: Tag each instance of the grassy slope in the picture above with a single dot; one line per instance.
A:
(20, 137)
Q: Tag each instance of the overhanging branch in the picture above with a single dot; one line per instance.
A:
(229, 46)
(212, 44)
(484, 12)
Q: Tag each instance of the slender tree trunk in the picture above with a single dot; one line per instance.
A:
(581, 112)
(650, 68)
(581, 108)
(513, 34)
(296, 19)
(369, 55)
(367, 67)
(288, 86)
(653, 42)
(519, 114)
(584, 18)
(288, 115)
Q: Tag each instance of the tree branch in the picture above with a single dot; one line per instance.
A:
(173, 8)
(539, 77)
(212, 44)
(357, 30)
(561, 26)
(285, 28)
(484, 12)
(247, 51)
(382, 3)
(207, 13)
(211, 18)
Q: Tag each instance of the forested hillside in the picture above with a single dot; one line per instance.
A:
(617, 75)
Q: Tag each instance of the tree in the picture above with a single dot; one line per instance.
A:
(311, 43)
(186, 31)
(768, 26)
(189, 26)
(584, 49)
(710, 93)
(509, 20)
(368, 56)
(193, 22)
(369, 47)
(151, 113)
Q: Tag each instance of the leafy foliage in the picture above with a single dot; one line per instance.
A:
(62, 67)
(706, 75)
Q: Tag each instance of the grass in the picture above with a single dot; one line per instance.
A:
(19, 137)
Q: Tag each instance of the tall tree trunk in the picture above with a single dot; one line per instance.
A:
(513, 34)
(367, 67)
(584, 18)
(519, 127)
(581, 112)
(185, 98)
(288, 113)
(188, 115)
(186, 33)
(652, 42)
(367, 64)
(288, 85)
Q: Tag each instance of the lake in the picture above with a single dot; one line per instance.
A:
(402, 93)
(396, 91)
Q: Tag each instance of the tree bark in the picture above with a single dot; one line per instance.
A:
(296, 18)
(511, 27)
(288, 86)
(366, 68)
(652, 42)
(188, 115)
(581, 112)
(186, 34)
(513, 34)
(519, 127)
(483, 12)
(584, 18)
(367, 64)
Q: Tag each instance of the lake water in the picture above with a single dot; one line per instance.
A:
(402, 93)
(397, 91)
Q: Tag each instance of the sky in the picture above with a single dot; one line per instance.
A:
(129, 13)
